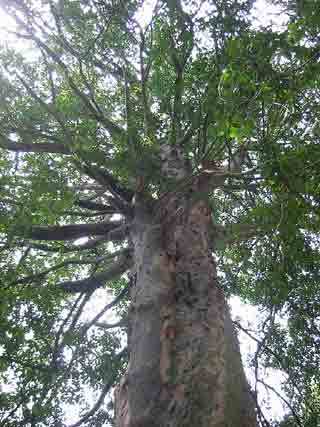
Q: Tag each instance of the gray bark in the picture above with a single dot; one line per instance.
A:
(185, 366)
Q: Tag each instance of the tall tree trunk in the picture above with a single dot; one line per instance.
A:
(185, 366)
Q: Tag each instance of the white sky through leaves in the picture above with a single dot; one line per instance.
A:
(263, 14)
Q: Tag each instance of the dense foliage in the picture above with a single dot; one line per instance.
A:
(89, 92)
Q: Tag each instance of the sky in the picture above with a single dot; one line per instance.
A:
(263, 14)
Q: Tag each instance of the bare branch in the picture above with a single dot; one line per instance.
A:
(39, 147)
(87, 214)
(98, 280)
(7, 419)
(87, 204)
(118, 234)
(120, 324)
(72, 231)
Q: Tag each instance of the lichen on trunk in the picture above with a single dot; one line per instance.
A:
(185, 366)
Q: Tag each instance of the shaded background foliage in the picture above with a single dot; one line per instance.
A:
(91, 105)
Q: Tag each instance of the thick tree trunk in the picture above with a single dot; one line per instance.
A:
(185, 366)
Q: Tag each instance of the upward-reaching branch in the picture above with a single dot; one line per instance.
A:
(181, 45)
(112, 127)
(122, 195)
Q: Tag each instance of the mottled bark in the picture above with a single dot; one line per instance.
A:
(185, 367)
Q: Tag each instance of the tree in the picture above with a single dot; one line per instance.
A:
(161, 140)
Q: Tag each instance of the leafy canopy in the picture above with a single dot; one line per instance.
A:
(89, 93)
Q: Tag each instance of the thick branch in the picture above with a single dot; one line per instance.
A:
(122, 323)
(85, 261)
(71, 232)
(86, 214)
(98, 280)
(116, 235)
(41, 147)
(108, 181)
(90, 244)
(88, 204)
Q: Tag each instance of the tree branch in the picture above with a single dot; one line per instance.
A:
(47, 107)
(87, 204)
(208, 180)
(296, 416)
(120, 324)
(111, 304)
(277, 357)
(112, 127)
(83, 332)
(122, 196)
(109, 66)
(98, 280)
(58, 343)
(39, 147)
(117, 235)
(73, 231)
(87, 214)
(42, 274)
